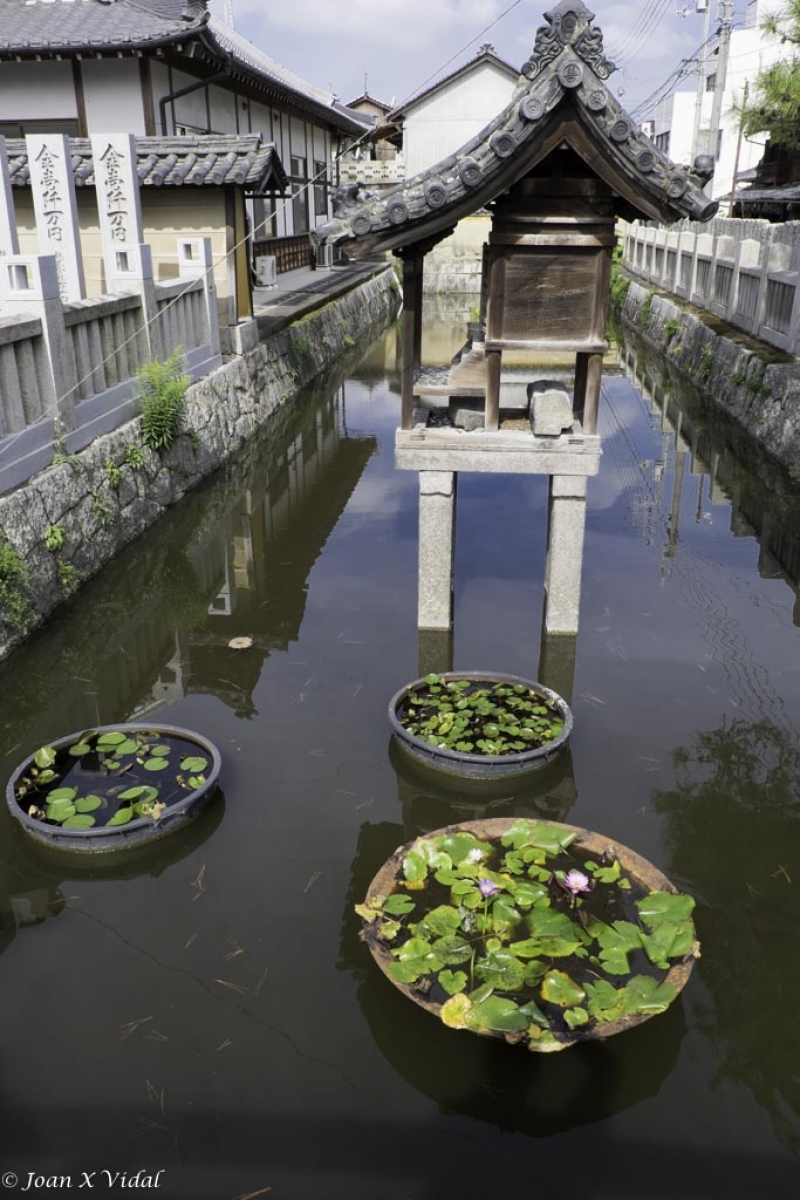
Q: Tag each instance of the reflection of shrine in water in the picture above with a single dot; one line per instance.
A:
(156, 623)
(712, 460)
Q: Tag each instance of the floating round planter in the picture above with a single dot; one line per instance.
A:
(480, 725)
(535, 932)
(113, 787)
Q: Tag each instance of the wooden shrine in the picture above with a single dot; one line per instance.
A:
(555, 168)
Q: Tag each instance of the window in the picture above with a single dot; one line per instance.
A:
(264, 223)
(711, 82)
(662, 142)
(299, 180)
(17, 129)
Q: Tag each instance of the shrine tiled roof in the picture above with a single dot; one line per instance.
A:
(209, 160)
(561, 98)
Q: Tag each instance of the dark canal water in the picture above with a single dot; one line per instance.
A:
(207, 1010)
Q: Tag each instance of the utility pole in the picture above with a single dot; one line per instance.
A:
(738, 148)
(722, 72)
(697, 147)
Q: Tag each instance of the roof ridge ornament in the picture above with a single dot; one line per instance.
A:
(570, 24)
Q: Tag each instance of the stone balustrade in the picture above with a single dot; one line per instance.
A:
(747, 272)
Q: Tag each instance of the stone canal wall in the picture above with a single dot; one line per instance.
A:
(68, 521)
(760, 394)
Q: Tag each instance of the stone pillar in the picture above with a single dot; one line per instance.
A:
(557, 655)
(118, 205)
(9, 242)
(434, 651)
(31, 287)
(437, 511)
(412, 330)
(195, 262)
(53, 188)
(566, 520)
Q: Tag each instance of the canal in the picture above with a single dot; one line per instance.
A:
(205, 1008)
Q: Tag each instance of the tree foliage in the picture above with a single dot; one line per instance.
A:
(774, 104)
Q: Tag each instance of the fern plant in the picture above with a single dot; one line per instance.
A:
(162, 395)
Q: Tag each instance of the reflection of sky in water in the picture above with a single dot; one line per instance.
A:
(270, 1051)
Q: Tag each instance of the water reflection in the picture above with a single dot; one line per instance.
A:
(155, 626)
(713, 459)
(733, 832)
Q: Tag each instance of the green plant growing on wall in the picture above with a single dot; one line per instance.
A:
(162, 395)
(706, 363)
(101, 511)
(113, 473)
(620, 286)
(133, 457)
(70, 578)
(54, 538)
(15, 609)
(644, 311)
(670, 329)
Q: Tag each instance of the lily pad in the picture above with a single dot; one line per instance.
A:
(45, 756)
(398, 905)
(121, 816)
(502, 970)
(79, 749)
(194, 763)
(558, 988)
(500, 1015)
(87, 804)
(452, 981)
(60, 810)
(79, 821)
(156, 764)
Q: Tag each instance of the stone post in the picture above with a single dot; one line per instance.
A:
(53, 188)
(437, 510)
(9, 242)
(118, 204)
(196, 262)
(31, 287)
(566, 521)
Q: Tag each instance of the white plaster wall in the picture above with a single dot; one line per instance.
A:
(38, 92)
(112, 92)
(260, 120)
(223, 111)
(191, 109)
(441, 124)
(675, 114)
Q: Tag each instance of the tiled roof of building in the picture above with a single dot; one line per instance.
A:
(46, 25)
(202, 161)
(31, 28)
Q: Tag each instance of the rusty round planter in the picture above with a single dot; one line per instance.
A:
(637, 869)
(479, 766)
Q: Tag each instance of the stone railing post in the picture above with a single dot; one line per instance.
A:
(31, 287)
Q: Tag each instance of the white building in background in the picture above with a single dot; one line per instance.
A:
(438, 121)
(674, 122)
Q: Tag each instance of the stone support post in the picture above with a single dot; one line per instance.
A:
(53, 189)
(566, 521)
(437, 511)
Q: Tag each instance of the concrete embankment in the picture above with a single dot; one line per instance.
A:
(745, 378)
(70, 520)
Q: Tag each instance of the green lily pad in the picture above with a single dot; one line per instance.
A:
(79, 749)
(45, 756)
(452, 981)
(121, 817)
(456, 1012)
(499, 1015)
(659, 907)
(196, 781)
(452, 950)
(111, 739)
(558, 988)
(439, 922)
(534, 1015)
(502, 970)
(87, 804)
(63, 793)
(144, 792)
(414, 868)
(126, 747)
(78, 821)
(60, 810)
(461, 845)
(156, 764)
(398, 904)
(195, 764)
(575, 1017)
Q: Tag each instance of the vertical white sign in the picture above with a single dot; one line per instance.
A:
(118, 203)
(53, 187)
(9, 243)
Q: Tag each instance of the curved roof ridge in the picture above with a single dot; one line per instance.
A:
(561, 96)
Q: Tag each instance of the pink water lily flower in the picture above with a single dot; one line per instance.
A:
(487, 888)
(576, 882)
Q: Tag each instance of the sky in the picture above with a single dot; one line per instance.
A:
(400, 46)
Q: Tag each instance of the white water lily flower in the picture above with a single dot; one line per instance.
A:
(475, 855)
